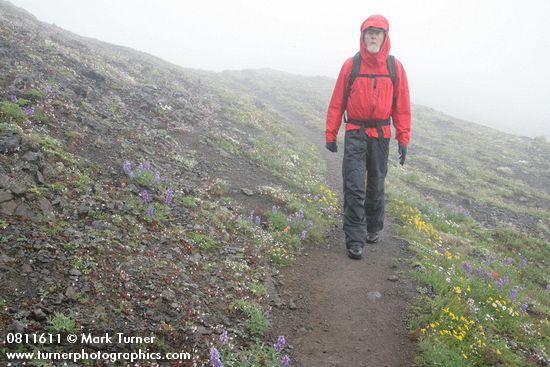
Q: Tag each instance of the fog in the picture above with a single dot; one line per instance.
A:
(482, 61)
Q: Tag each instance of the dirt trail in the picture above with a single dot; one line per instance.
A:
(343, 312)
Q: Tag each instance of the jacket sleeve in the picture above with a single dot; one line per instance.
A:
(336, 106)
(401, 111)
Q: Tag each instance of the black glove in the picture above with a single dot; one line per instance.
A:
(402, 154)
(332, 146)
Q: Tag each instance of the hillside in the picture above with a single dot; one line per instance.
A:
(141, 197)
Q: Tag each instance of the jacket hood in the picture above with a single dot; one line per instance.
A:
(377, 21)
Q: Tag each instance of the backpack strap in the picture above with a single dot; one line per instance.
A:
(352, 77)
(390, 61)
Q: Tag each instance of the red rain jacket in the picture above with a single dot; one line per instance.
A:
(371, 98)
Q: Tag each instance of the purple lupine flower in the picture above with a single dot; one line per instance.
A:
(157, 177)
(258, 220)
(508, 261)
(303, 235)
(488, 261)
(215, 358)
(168, 197)
(315, 197)
(274, 209)
(514, 295)
(299, 215)
(501, 282)
(548, 287)
(131, 174)
(524, 307)
(523, 263)
(280, 345)
(224, 338)
(140, 169)
(145, 196)
(285, 361)
(47, 89)
(147, 166)
(467, 267)
(251, 217)
(29, 111)
(150, 212)
(127, 167)
(14, 98)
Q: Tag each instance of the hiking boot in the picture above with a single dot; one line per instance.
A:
(355, 252)
(372, 237)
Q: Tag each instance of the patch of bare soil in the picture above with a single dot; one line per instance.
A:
(336, 311)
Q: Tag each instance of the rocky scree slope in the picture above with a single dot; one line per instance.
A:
(123, 187)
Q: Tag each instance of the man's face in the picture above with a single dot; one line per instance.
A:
(374, 39)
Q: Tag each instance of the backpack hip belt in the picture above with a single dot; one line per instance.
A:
(372, 124)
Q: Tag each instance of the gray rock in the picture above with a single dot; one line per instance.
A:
(374, 295)
(4, 181)
(31, 156)
(168, 294)
(272, 292)
(39, 177)
(5, 259)
(292, 304)
(8, 207)
(44, 256)
(17, 326)
(75, 272)
(201, 330)
(71, 232)
(59, 166)
(48, 170)
(24, 211)
(47, 208)
(100, 225)
(9, 141)
(247, 192)
(58, 299)
(393, 278)
(70, 292)
(5, 196)
(38, 314)
(20, 188)
(26, 269)
(83, 210)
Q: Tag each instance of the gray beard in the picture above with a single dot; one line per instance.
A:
(373, 49)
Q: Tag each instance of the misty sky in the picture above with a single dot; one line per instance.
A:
(481, 60)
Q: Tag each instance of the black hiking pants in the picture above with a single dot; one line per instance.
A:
(364, 170)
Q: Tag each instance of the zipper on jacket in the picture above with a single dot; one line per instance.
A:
(375, 104)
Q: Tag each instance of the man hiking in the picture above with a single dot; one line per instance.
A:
(370, 92)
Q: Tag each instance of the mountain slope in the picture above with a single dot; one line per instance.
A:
(137, 196)
(140, 197)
